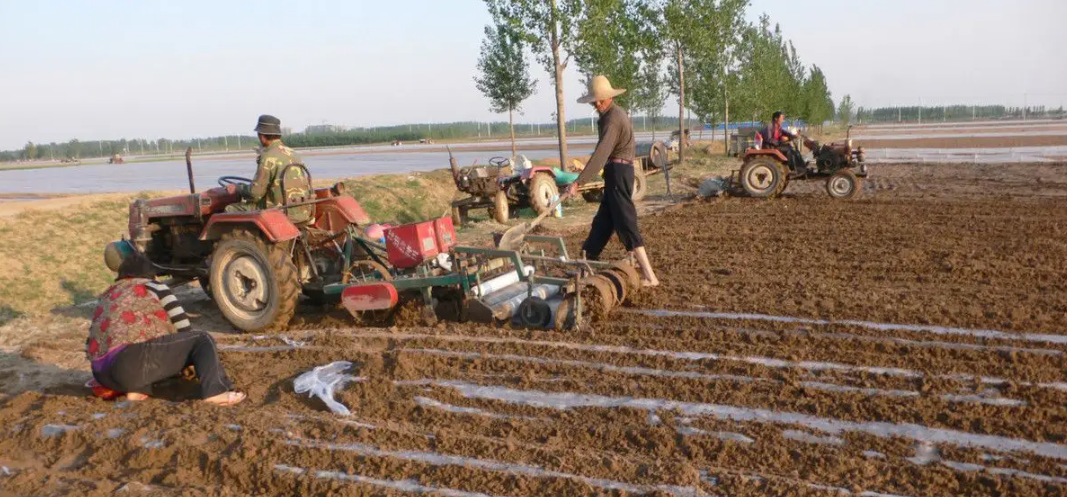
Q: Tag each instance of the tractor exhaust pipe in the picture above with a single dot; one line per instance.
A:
(189, 168)
(455, 168)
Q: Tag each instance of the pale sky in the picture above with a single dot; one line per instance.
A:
(136, 69)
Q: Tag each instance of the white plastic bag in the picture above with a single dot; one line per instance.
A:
(323, 381)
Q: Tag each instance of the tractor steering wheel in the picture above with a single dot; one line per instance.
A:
(225, 181)
(499, 161)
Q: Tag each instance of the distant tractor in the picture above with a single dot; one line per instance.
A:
(506, 185)
(766, 172)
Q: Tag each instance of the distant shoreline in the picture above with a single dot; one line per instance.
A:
(473, 145)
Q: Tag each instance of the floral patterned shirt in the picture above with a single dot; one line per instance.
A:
(128, 312)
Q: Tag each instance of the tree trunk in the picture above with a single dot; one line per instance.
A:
(561, 119)
(726, 124)
(511, 124)
(681, 117)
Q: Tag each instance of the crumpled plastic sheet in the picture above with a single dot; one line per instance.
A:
(324, 381)
(714, 186)
(292, 343)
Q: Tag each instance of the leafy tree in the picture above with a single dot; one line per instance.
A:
(650, 96)
(614, 35)
(844, 110)
(550, 29)
(698, 33)
(818, 105)
(29, 151)
(72, 149)
(505, 76)
(766, 72)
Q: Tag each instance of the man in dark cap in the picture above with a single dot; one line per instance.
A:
(266, 188)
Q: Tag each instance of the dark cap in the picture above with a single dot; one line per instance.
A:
(269, 125)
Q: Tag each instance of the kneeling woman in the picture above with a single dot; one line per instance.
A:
(141, 335)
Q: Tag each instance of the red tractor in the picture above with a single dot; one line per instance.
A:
(255, 264)
(765, 172)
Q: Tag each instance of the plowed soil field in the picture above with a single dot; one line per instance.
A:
(910, 343)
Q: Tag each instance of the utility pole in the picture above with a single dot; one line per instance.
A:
(920, 110)
(1024, 106)
(226, 143)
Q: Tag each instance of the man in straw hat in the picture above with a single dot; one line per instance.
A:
(615, 155)
(265, 191)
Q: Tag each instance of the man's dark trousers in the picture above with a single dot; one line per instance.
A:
(617, 212)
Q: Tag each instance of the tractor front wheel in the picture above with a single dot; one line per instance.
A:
(638, 192)
(762, 177)
(844, 185)
(640, 184)
(254, 282)
(543, 191)
(459, 216)
(500, 207)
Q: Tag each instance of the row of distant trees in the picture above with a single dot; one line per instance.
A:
(701, 51)
(953, 113)
(76, 149)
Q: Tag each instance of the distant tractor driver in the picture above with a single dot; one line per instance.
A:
(265, 191)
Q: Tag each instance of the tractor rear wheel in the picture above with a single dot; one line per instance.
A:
(640, 184)
(543, 191)
(500, 207)
(785, 179)
(638, 192)
(844, 185)
(762, 177)
(254, 282)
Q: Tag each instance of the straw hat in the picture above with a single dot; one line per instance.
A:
(600, 89)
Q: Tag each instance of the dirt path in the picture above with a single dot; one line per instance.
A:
(910, 343)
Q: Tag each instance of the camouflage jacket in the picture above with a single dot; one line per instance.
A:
(128, 313)
(266, 188)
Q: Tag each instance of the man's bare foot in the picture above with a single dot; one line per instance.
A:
(649, 283)
(226, 399)
(136, 397)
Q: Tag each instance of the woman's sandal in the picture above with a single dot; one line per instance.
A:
(226, 399)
